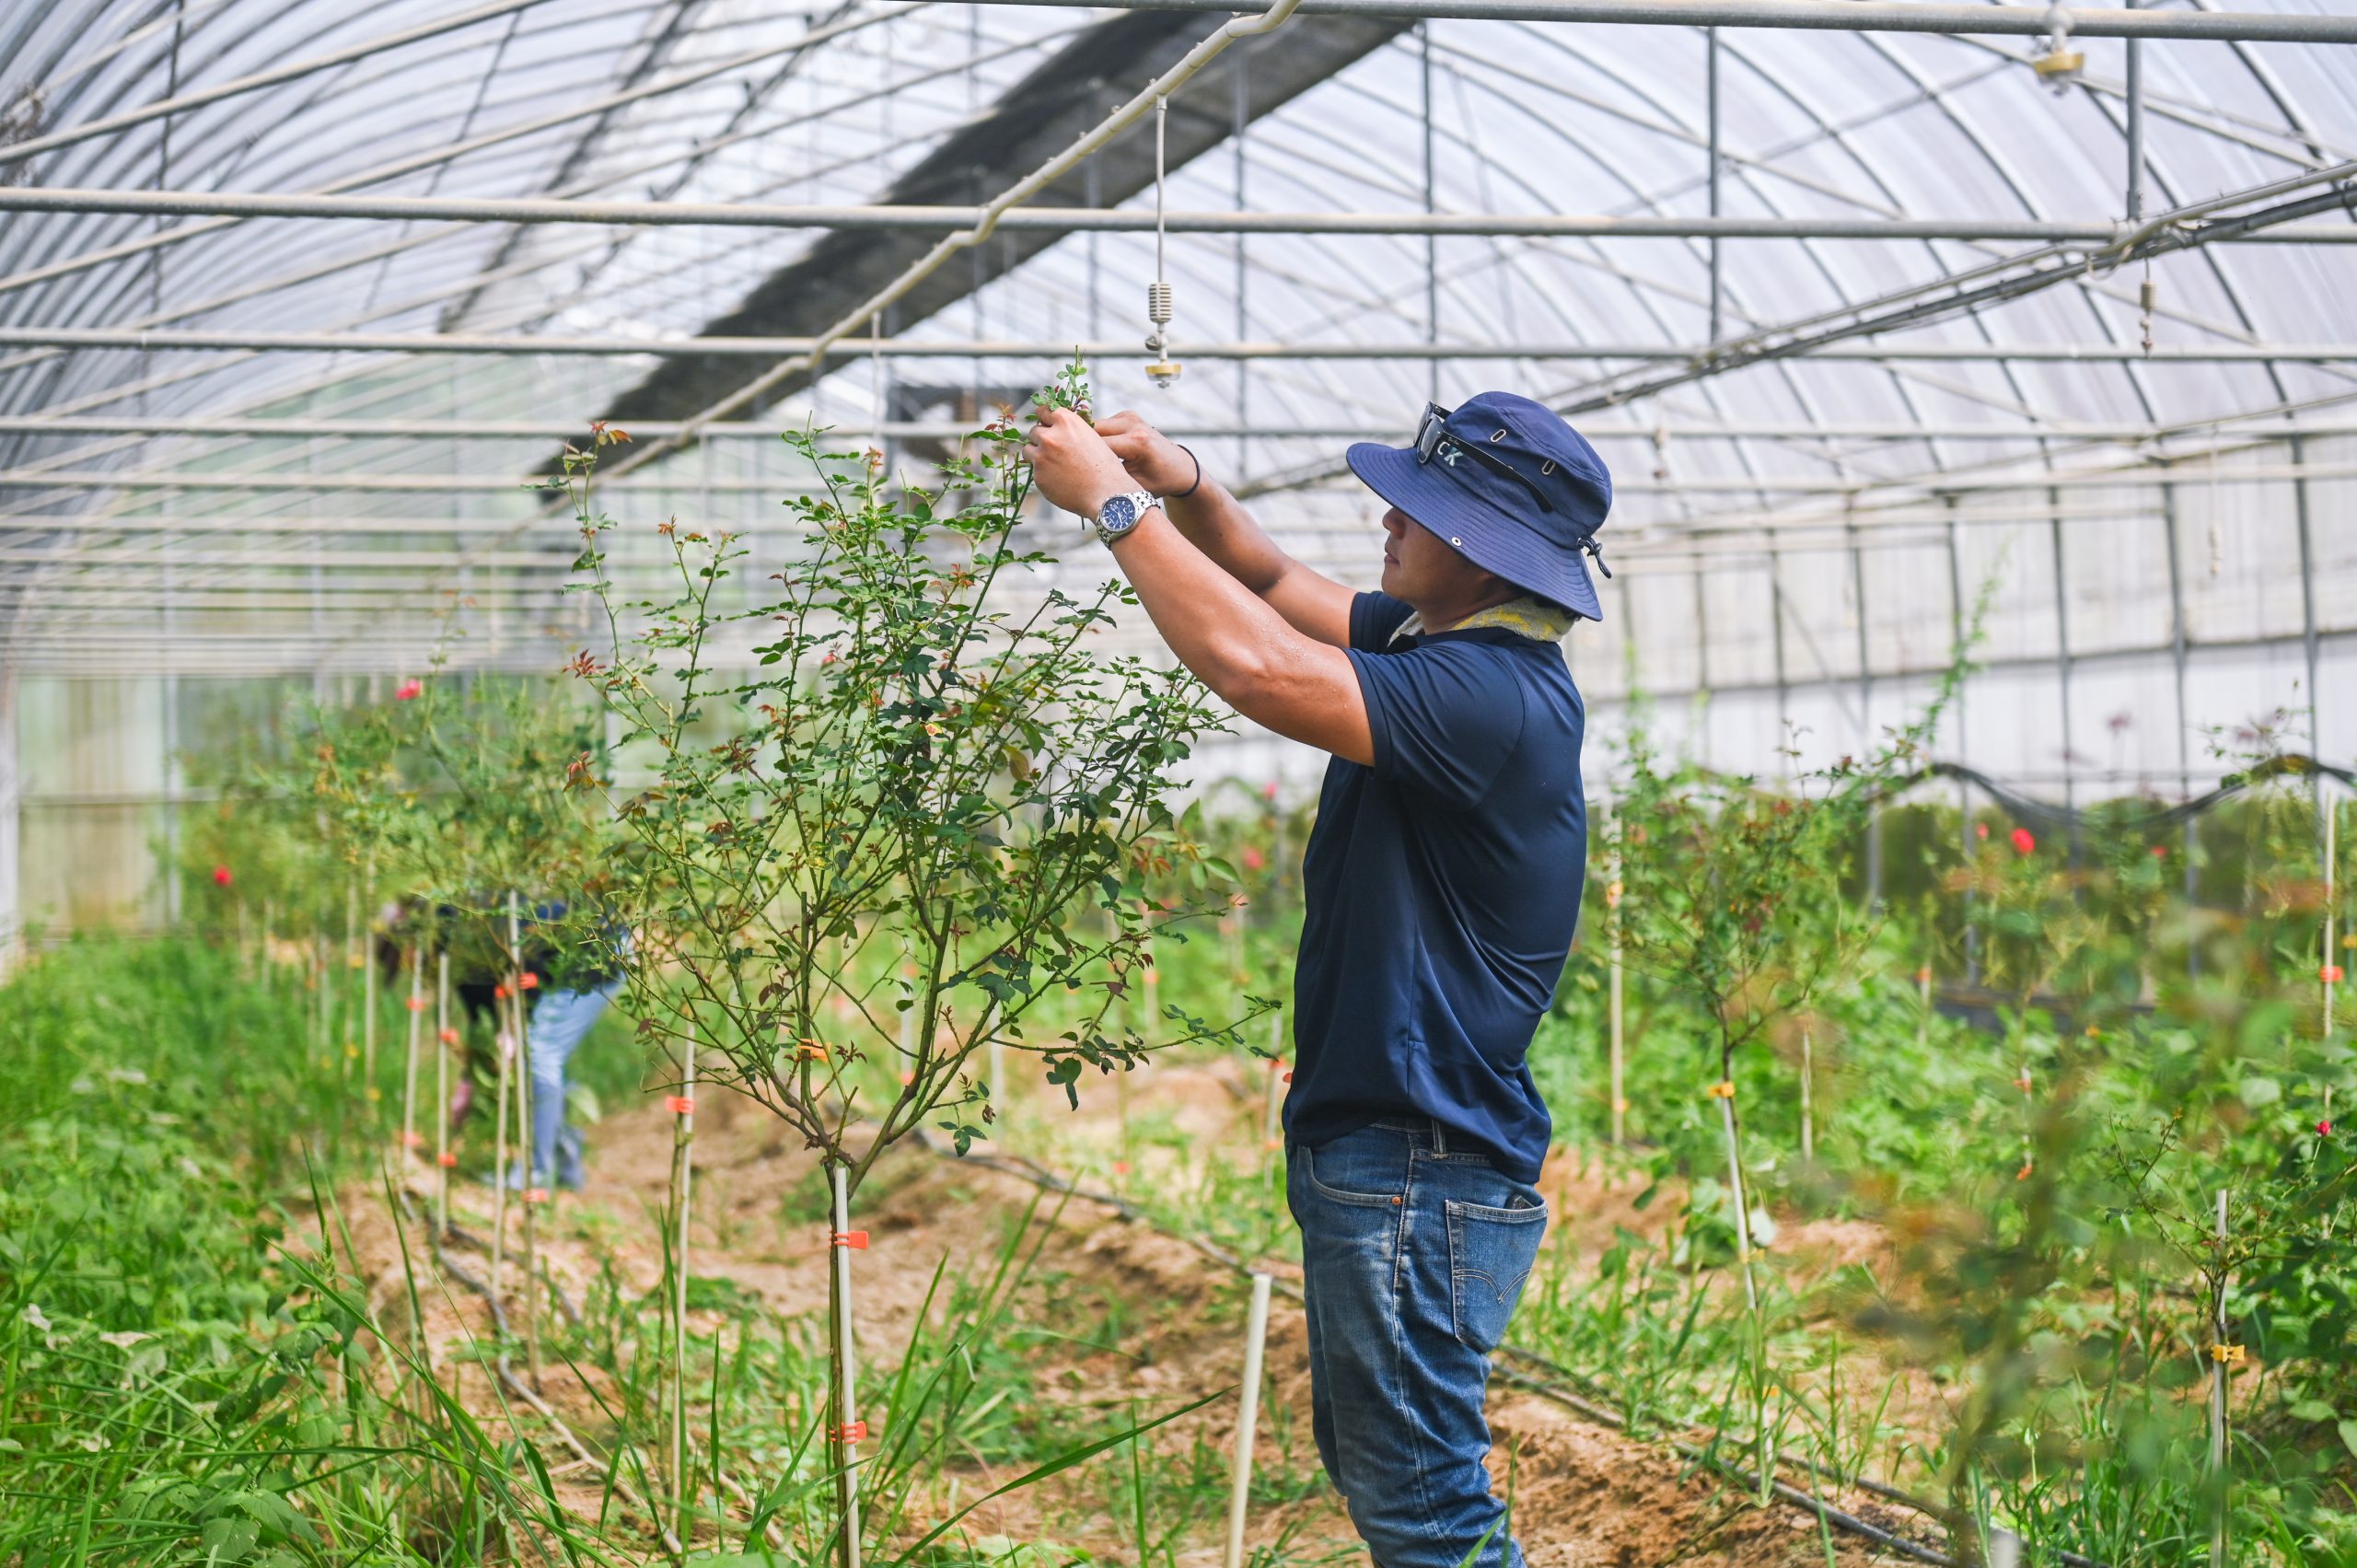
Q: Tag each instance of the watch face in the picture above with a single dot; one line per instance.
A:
(1117, 516)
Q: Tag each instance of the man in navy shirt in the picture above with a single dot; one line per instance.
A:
(1442, 883)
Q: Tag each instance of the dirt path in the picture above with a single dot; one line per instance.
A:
(1586, 1497)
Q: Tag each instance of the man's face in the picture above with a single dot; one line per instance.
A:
(1419, 566)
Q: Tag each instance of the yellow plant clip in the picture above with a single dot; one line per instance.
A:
(810, 1051)
(1722, 1090)
(2229, 1355)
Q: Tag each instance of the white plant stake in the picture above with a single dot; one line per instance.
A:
(1808, 1071)
(1724, 1092)
(852, 1430)
(2223, 1356)
(443, 1158)
(1613, 893)
(682, 1107)
(2331, 971)
(408, 1071)
(534, 1195)
(1247, 1416)
(363, 954)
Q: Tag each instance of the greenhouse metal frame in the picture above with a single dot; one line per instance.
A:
(1894, 334)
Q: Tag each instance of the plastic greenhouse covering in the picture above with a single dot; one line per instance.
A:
(2135, 478)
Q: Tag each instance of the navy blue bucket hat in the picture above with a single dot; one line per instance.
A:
(1510, 485)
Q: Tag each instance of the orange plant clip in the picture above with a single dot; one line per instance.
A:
(679, 1105)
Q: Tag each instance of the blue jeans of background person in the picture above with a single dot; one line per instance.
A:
(559, 1022)
(1413, 1255)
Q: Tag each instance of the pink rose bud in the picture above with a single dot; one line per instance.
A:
(220, 875)
(2023, 842)
(409, 689)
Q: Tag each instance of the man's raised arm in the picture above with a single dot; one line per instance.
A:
(1217, 524)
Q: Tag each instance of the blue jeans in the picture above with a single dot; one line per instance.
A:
(1413, 1255)
(559, 1022)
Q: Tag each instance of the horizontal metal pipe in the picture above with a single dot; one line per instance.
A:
(1826, 16)
(1012, 348)
(1061, 220)
(134, 479)
(763, 524)
(938, 430)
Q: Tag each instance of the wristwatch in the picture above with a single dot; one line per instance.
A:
(1121, 512)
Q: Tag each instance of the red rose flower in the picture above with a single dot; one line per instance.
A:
(1980, 830)
(409, 689)
(1253, 859)
(220, 875)
(2023, 842)
(2324, 1128)
(2160, 851)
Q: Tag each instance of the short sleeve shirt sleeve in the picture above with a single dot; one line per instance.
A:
(1445, 716)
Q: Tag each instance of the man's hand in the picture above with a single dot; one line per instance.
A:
(1070, 464)
(1156, 462)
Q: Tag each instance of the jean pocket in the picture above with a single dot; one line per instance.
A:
(1491, 1253)
(1366, 1167)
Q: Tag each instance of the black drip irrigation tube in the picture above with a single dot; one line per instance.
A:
(1037, 1175)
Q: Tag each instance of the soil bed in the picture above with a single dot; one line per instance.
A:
(1168, 1331)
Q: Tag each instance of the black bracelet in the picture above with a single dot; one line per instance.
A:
(1199, 472)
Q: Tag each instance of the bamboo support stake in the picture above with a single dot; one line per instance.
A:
(519, 1054)
(349, 1051)
(443, 1158)
(1808, 1073)
(683, 1133)
(1255, 1336)
(365, 954)
(1613, 893)
(534, 1194)
(849, 1429)
(409, 1139)
(2222, 1356)
(506, 1044)
(1724, 1092)
(1924, 998)
(320, 986)
(2332, 972)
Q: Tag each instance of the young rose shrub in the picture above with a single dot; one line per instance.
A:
(921, 800)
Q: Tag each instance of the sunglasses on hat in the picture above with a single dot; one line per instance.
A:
(1433, 439)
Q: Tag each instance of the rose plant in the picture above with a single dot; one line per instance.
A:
(887, 820)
